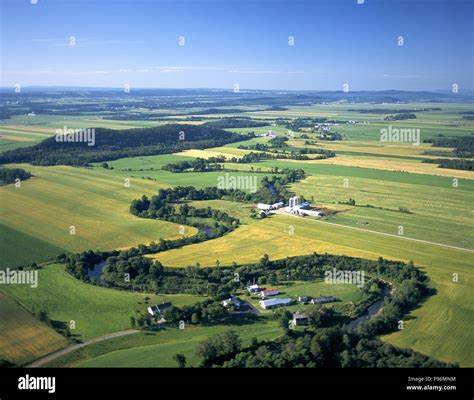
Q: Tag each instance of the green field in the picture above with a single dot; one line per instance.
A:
(157, 349)
(95, 310)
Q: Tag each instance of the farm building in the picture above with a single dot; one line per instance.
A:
(302, 209)
(263, 206)
(268, 207)
(311, 213)
(323, 299)
(253, 289)
(159, 309)
(232, 300)
(269, 292)
(299, 319)
(303, 299)
(273, 303)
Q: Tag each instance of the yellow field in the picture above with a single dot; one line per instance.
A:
(373, 147)
(24, 338)
(228, 152)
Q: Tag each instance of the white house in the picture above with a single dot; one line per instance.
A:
(273, 303)
(265, 207)
(253, 288)
(159, 309)
(232, 300)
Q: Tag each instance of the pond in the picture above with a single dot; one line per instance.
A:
(96, 273)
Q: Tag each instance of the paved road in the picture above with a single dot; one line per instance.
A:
(250, 307)
(281, 212)
(52, 356)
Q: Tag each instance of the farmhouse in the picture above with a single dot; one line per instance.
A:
(273, 303)
(232, 300)
(303, 299)
(269, 292)
(159, 309)
(253, 289)
(299, 319)
(323, 299)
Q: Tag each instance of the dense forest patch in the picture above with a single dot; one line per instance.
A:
(111, 144)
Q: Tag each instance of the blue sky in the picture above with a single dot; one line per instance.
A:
(136, 42)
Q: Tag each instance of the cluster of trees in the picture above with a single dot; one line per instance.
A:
(463, 149)
(278, 151)
(206, 312)
(333, 347)
(331, 136)
(197, 165)
(302, 122)
(60, 327)
(457, 163)
(9, 175)
(399, 117)
(113, 144)
(463, 145)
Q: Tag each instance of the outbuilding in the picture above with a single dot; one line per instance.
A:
(274, 303)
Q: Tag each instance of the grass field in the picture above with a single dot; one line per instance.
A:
(95, 310)
(38, 215)
(24, 338)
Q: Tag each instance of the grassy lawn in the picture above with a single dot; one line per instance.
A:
(293, 289)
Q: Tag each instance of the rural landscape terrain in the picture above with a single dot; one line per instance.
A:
(234, 195)
(74, 210)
